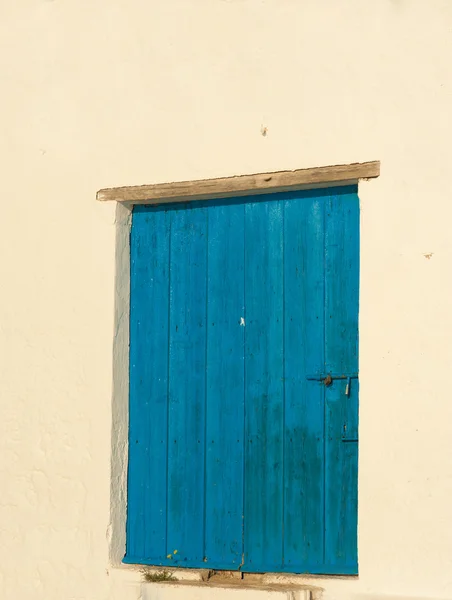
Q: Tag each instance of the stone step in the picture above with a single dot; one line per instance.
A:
(224, 589)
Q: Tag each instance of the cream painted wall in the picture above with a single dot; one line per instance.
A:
(103, 93)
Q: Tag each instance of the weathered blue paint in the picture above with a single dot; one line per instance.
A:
(341, 356)
(225, 377)
(264, 382)
(239, 456)
(187, 383)
(147, 490)
(304, 404)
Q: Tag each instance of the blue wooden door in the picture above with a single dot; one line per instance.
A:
(243, 433)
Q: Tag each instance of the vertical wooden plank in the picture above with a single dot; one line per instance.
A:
(304, 405)
(264, 386)
(225, 385)
(187, 378)
(146, 518)
(341, 348)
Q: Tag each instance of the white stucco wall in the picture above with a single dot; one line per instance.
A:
(113, 92)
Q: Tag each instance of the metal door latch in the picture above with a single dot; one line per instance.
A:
(327, 379)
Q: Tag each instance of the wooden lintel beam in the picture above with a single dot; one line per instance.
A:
(242, 185)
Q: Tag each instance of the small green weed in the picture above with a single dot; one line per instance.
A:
(155, 576)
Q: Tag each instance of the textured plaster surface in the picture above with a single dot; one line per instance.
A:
(112, 92)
